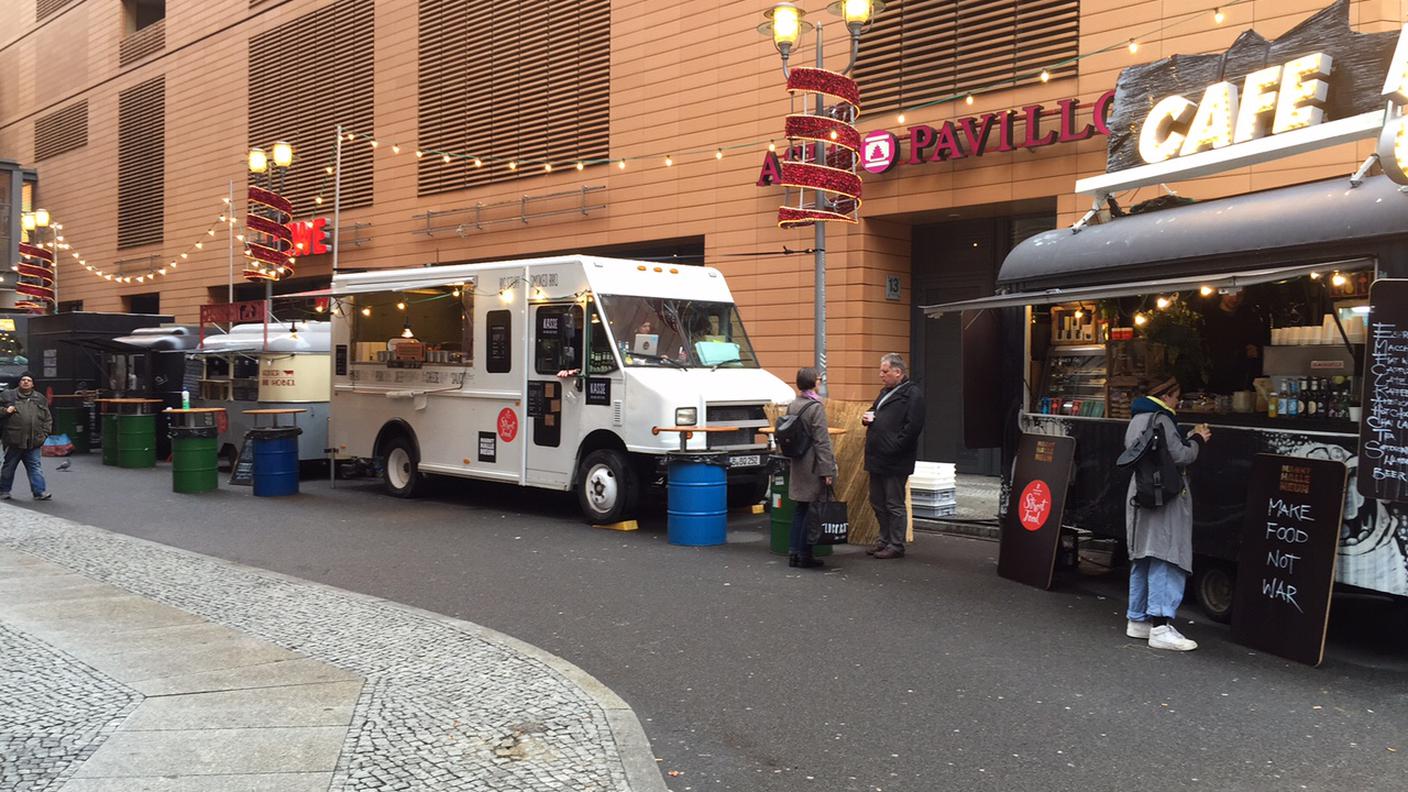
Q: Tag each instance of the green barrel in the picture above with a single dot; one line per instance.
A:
(109, 438)
(783, 508)
(194, 461)
(72, 420)
(136, 441)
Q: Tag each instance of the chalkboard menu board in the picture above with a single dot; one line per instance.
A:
(1286, 566)
(1031, 529)
(500, 350)
(340, 360)
(242, 472)
(1383, 424)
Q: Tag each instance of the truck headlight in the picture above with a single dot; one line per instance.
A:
(686, 416)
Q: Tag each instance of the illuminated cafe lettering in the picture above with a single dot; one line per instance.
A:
(1272, 100)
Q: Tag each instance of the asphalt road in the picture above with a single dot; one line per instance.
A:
(929, 673)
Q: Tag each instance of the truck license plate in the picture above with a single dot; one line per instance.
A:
(745, 460)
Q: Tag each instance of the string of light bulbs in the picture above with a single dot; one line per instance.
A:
(61, 246)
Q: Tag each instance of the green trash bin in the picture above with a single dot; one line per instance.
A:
(783, 508)
(136, 440)
(72, 420)
(194, 459)
(109, 438)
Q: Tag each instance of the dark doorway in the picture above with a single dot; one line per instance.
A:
(148, 303)
(956, 261)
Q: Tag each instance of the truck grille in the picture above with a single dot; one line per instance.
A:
(748, 417)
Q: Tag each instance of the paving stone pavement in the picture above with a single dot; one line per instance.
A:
(442, 704)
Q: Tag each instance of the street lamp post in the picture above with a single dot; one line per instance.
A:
(273, 166)
(786, 23)
(34, 223)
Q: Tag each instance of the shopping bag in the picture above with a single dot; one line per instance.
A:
(827, 523)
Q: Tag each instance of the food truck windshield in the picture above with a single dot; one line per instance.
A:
(655, 331)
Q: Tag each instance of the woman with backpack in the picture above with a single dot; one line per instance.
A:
(1159, 518)
(805, 441)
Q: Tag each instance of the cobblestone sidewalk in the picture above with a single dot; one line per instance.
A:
(443, 704)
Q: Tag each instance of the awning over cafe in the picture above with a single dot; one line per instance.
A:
(1225, 243)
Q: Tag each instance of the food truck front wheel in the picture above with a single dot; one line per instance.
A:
(607, 486)
(401, 473)
(1213, 584)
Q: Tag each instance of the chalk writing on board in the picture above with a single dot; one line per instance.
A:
(1383, 427)
(1284, 533)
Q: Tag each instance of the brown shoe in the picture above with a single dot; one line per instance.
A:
(888, 553)
(875, 548)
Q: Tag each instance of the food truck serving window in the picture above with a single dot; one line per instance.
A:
(434, 324)
(655, 331)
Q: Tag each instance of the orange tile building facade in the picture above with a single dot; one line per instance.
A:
(684, 80)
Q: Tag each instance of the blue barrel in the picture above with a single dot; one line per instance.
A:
(275, 461)
(698, 511)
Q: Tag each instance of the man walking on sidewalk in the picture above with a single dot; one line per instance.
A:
(27, 424)
(892, 432)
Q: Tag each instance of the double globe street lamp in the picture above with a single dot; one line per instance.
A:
(786, 24)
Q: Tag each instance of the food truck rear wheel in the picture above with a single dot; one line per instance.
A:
(1213, 584)
(401, 474)
(607, 489)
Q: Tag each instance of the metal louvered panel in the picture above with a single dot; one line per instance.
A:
(922, 50)
(299, 94)
(141, 163)
(147, 41)
(61, 131)
(532, 88)
(44, 9)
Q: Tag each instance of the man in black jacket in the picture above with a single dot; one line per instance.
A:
(892, 432)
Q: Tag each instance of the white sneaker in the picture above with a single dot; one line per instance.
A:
(1137, 629)
(1166, 637)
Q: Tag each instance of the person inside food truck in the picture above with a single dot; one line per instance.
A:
(1234, 334)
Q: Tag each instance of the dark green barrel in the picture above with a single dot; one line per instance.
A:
(782, 508)
(136, 441)
(72, 420)
(109, 438)
(194, 460)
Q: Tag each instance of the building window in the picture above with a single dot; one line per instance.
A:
(299, 94)
(922, 50)
(148, 303)
(43, 9)
(61, 131)
(70, 306)
(545, 101)
(138, 14)
(141, 164)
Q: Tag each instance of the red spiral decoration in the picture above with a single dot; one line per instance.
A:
(822, 186)
(270, 246)
(36, 283)
(828, 83)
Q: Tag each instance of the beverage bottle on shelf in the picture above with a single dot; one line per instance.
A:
(1283, 398)
(1273, 403)
(1312, 399)
(1292, 399)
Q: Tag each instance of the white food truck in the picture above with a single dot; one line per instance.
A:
(253, 367)
(548, 373)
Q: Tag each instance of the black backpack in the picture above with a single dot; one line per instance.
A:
(1157, 479)
(793, 437)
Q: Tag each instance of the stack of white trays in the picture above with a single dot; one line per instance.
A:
(933, 490)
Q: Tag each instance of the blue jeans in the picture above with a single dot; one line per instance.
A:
(1155, 589)
(797, 544)
(30, 457)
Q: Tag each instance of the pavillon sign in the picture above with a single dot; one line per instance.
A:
(973, 136)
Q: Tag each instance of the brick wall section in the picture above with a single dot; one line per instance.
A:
(686, 77)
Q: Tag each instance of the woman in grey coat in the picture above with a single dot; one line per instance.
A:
(1160, 539)
(812, 473)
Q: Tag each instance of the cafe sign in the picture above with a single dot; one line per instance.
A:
(1320, 84)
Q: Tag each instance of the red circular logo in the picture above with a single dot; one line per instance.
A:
(1034, 506)
(879, 151)
(508, 425)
